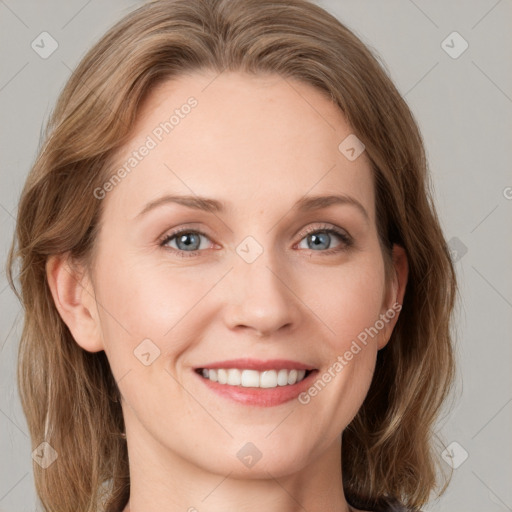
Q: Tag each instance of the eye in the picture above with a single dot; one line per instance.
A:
(187, 241)
(320, 238)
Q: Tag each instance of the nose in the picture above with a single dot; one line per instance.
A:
(261, 297)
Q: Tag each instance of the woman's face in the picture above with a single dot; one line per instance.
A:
(255, 276)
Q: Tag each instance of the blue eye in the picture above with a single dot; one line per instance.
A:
(188, 241)
(320, 238)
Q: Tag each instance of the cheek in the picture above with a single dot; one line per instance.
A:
(348, 299)
(141, 300)
(349, 303)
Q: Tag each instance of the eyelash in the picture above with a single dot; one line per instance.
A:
(346, 240)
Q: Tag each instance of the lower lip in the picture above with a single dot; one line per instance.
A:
(261, 397)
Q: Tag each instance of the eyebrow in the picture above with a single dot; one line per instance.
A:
(305, 204)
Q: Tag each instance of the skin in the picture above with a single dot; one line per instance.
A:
(259, 144)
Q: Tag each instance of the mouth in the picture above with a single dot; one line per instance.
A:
(263, 387)
(247, 378)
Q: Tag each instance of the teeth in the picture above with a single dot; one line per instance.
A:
(234, 377)
(222, 376)
(253, 378)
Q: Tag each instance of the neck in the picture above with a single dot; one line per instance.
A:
(163, 481)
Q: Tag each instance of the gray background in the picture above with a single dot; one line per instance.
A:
(463, 106)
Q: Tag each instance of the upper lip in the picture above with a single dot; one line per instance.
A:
(258, 364)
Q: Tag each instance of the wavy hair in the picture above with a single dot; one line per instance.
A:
(69, 395)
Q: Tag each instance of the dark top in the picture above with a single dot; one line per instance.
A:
(381, 505)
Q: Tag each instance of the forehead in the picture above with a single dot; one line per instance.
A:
(246, 139)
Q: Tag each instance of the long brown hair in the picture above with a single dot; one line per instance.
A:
(69, 395)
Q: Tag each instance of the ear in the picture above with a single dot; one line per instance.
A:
(395, 294)
(75, 301)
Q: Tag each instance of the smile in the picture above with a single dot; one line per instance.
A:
(253, 378)
(260, 388)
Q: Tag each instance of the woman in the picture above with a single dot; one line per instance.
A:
(237, 293)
